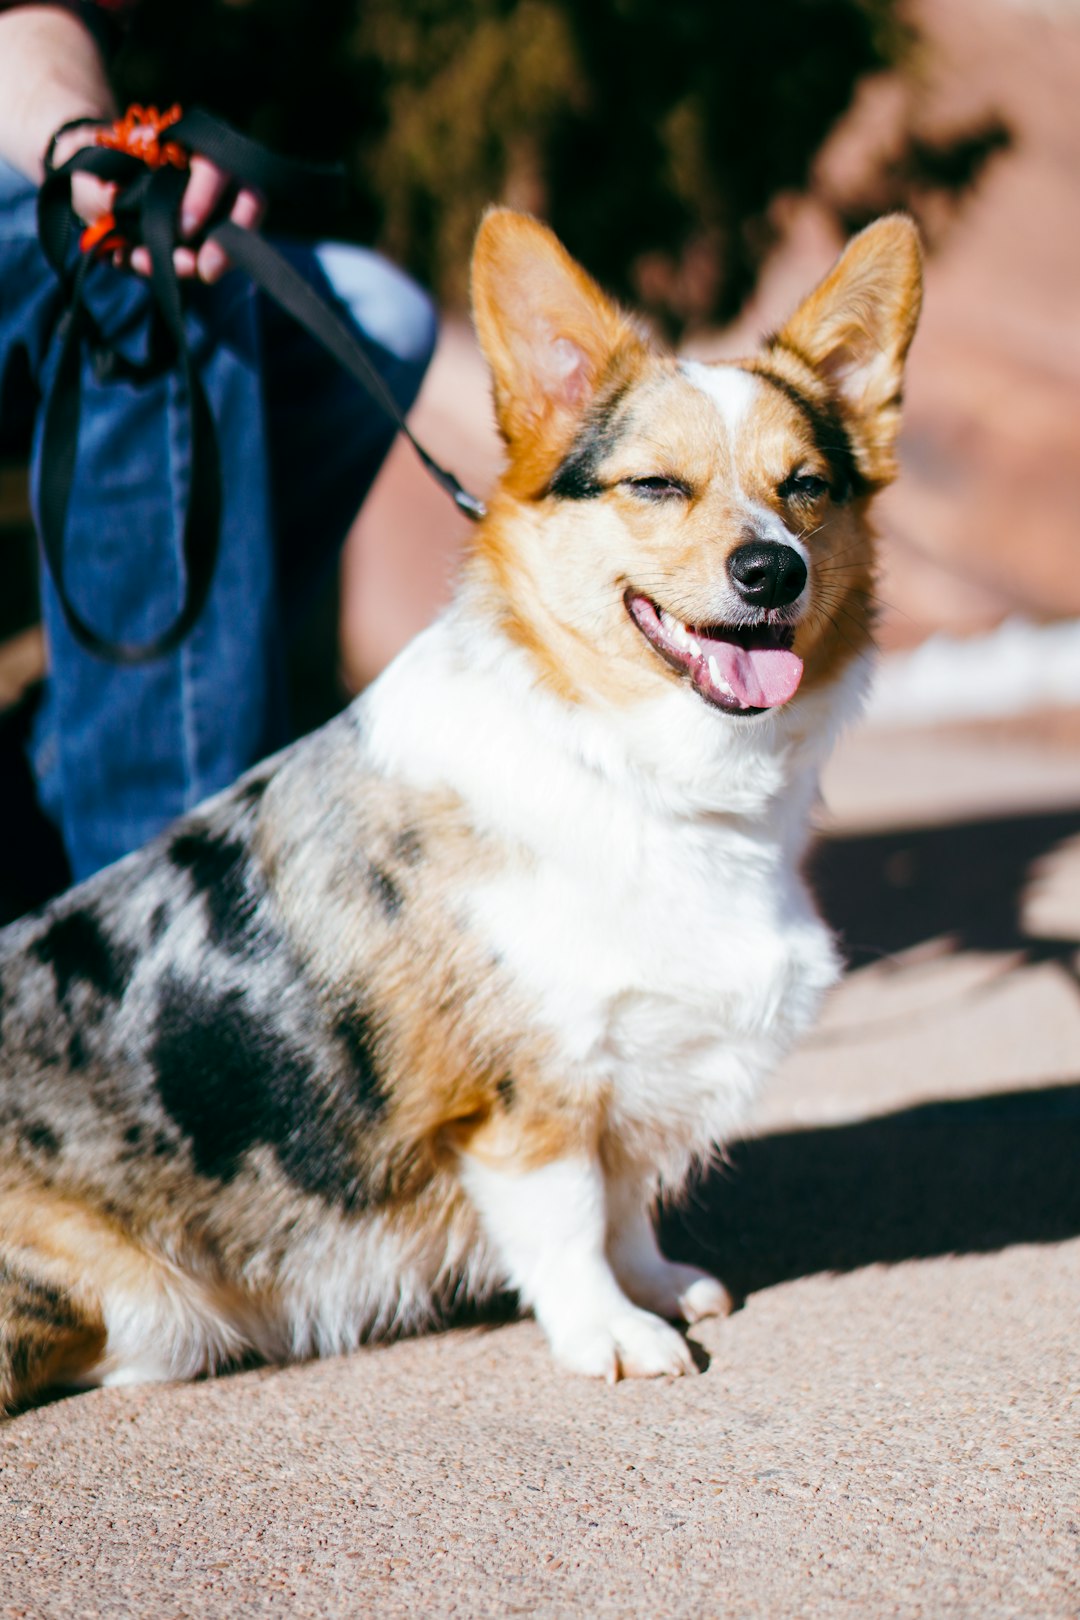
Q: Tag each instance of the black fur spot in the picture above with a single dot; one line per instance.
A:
(217, 1070)
(506, 1090)
(35, 1299)
(578, 477)
(37, 1135)
(220, 869)
(232, 1082)
(78, 951)
(830, 436)
(384, 889)
(408, 847)
(357, 1034)
(251, 793)
(159, 921)
(134, 1148)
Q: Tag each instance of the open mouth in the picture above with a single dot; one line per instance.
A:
(740, 668)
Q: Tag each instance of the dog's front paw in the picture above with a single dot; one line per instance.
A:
(631, 1344)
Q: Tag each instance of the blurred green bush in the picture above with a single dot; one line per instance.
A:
(653, 134)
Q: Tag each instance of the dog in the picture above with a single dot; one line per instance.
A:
(437, 1001)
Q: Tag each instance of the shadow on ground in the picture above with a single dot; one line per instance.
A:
(886, 892)
(960, 1177)
(963, 1176)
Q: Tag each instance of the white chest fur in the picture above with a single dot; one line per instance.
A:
(648, 901)
(674, 963)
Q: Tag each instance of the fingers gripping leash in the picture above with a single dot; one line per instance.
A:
(146, 155)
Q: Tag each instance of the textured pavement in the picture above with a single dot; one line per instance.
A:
(888, 1426)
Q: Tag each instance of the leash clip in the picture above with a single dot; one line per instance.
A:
(472, 506)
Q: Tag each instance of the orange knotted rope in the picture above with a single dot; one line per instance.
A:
(139, 133)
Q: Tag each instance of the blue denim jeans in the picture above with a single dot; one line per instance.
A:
(120, 752)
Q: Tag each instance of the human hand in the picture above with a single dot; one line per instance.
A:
(90, 197)
(206, 187)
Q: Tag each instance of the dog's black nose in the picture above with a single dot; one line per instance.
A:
(766, 574)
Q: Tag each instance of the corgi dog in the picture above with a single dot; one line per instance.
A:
(437, 1001)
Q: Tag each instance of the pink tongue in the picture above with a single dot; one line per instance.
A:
(760, 677)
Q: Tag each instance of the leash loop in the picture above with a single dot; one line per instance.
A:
(145, 155)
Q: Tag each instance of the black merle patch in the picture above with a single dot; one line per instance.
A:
(357, 1033)
(408, 847)
(220, 869)
(251, 793)
(79, 951)
(385, 890)
(35, 1299)
(159, 921)
(578, 476)
(232, 1081)
(40, 1137)
(829, 433)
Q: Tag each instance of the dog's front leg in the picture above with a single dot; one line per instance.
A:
(549, 1226)
(679, 1292)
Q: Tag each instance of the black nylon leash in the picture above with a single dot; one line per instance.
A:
(145, 211)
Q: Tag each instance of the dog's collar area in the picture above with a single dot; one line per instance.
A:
(742, 669)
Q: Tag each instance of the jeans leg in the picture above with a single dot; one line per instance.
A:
(29, 309)
(329, 437)
(120, 752)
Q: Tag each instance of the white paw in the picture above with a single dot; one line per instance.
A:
(630, 1344)
(681, 1293)
(702, 1296)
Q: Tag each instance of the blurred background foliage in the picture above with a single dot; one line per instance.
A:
(655, 135)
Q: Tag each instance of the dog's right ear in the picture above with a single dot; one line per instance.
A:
(550, 336)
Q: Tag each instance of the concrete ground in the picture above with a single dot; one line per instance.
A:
(888, 1427)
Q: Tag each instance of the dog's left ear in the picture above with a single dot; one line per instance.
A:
(855, 329)
(550, 336)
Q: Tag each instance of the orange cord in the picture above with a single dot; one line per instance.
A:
(102, 236)
(139, 133)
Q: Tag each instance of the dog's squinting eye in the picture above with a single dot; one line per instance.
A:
(803, 486)
(657, 488)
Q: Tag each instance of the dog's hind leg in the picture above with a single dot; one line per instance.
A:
(677, 1292)
(46, 1338)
